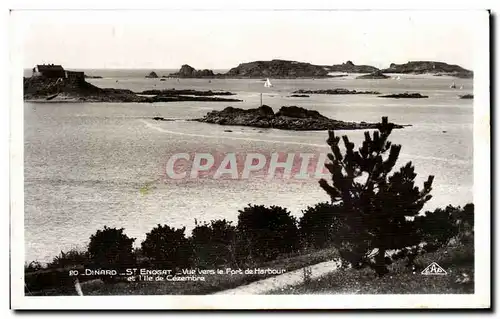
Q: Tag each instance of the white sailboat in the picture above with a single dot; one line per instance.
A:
(268, 83)
(453, 86)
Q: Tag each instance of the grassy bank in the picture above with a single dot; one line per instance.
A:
(213, 283)
(456, 260)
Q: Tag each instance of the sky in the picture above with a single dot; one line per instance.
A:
(224, 39)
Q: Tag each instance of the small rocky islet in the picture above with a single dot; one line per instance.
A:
(467, 97)
(337, 91)
(287, 118)
(405, 95)
(377, 75)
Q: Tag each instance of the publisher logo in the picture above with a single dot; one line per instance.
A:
(434, 269)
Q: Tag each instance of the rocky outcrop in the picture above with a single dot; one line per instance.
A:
(187, 71)
(432, 67)
(405, 95)
(335, 92)
(349, 67)
(374, 75)
(184, 98)
(277, 69)
(152, 75)
(174, 92)
(467, 97)
(44, 89)
(287, 118)
(299, 95)
(39, 89)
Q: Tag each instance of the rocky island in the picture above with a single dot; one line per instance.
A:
(422, 67)
(152, 75)
(334, 92)
(405, 95)
(187, 71)
(373, 76)
(349, 67)
(277, 69)
(467, 96)
(287, 118)
(58, 89)
(174, 92)
(76, 89)
(92, 76)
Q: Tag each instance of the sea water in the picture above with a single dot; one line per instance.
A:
(93, 164)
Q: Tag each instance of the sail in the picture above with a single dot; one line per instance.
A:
(268, 83)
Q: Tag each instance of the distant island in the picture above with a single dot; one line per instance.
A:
(152, 75)
(92, 76)
(287, 118)
(467, 97)
(334, 92)
(429, 67)
(188, 71)
(405, 95)
(373, 76)
(277, 69)
(349, 67)
(286, 69)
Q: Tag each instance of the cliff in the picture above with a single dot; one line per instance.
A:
(349, 67)
(277, 69)
(187, 71)
(422, 67)
(287, 118)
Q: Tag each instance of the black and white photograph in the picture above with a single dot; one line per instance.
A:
(250, 159)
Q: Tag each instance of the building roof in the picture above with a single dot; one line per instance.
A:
(49, 67)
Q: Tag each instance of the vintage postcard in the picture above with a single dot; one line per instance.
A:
(250, 159)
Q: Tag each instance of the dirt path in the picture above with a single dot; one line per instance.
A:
(290, 278)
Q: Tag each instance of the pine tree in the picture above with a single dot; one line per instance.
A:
(378, 207)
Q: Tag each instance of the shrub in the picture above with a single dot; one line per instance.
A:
(110, 248)
(32, 266)
(214, 243)
(71, 258)
(167, 247)
(377, 206)
(319, 224)
(264, 233)
(437, 228)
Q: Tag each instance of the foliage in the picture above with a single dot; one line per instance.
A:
(377, 206)
(167, 247)
(32, 266)
(71, 258)
(264, 232)
(320, 223)
(214, 243)
(111, 248)
(437, 228)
